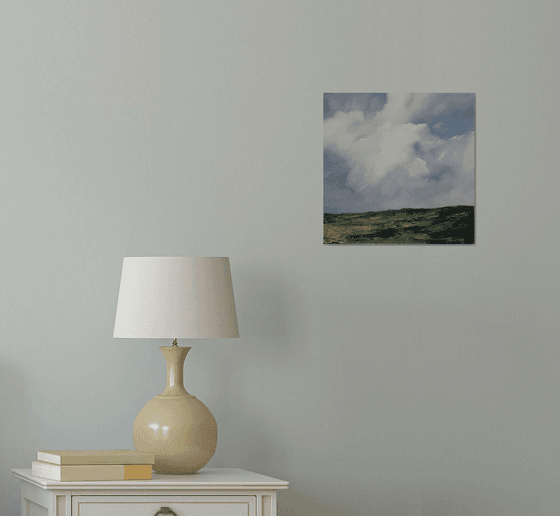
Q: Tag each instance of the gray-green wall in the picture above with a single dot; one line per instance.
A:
(377, 380)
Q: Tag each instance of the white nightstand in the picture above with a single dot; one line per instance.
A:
(210, 492)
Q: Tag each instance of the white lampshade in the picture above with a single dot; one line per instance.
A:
(176, 297)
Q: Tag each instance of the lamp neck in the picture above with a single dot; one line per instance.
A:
(175, 358)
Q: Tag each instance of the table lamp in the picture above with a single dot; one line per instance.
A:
(176, 298)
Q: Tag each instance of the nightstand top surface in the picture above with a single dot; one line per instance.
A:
(206, 478)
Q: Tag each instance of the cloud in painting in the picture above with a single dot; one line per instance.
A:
(395, 151)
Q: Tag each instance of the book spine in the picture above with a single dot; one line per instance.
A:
(76, 473)
(137, 472)
(63, 459)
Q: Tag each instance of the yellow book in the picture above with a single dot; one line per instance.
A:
(76, 473)
(86, 457)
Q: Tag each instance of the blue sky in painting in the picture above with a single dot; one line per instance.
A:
(392, 151)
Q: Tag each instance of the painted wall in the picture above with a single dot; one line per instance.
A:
(378, 381)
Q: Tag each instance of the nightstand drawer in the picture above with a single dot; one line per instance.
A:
(148, 505)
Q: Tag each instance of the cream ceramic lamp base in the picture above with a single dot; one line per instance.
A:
(174, 425)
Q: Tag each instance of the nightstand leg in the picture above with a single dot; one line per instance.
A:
(266, 504)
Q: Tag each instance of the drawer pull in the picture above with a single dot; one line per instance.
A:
(165, 510)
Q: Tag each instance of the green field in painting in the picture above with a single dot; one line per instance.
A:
(447, 225)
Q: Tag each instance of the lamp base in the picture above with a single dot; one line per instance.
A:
(175, 426)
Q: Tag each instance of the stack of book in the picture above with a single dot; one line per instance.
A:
(79, 465)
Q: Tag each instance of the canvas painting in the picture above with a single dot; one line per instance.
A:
(399, 168)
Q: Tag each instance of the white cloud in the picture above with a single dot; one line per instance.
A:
(379, 151)
(342, 130)
(417, 167)
(388, 147)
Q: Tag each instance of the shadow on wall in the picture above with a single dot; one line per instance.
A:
(261, 300)
(244, 435)
(271, 312)
(17, 443)
(295, 503)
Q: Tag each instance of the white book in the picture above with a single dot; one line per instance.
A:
(77, 473)
(84, 457)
